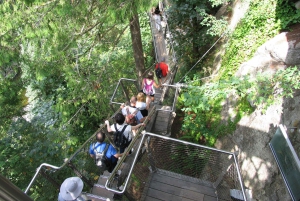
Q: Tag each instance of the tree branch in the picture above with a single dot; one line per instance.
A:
(118, 38)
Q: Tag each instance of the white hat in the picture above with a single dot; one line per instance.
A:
(71, 188)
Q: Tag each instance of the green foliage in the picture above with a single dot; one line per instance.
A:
(286, 13)
(71, 54)
(12, 101)
(194, 27)
(204, 120)
(245, 39)
(264, 17)
(28, 144)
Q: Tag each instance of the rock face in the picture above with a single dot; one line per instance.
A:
(278, 53)
(253, 134)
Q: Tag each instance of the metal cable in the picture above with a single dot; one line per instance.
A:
(203, 56)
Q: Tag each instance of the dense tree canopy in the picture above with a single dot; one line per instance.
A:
(195, 27)
(61, 59)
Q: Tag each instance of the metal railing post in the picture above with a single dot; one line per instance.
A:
(124, 91)
(78, 173)
(50, 179)
(150, 157)
(240, 177)
(112, 107)
(175, 99)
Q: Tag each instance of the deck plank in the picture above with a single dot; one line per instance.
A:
(153, 193)
(180, 192)
(152, 199)
(184, 184)
(209, 198)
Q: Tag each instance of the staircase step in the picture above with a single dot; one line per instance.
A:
(101, 191)
(97, 197)
(106, 173)
(102, 180)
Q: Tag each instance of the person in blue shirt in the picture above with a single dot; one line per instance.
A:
(111, 154)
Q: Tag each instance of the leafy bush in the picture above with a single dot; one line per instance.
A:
(202, 103)
(204, 123)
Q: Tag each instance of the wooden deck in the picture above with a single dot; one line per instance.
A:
(167, 186)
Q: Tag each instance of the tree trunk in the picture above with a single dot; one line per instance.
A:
(137, 46)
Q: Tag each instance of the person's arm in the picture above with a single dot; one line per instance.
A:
(156, 85)
(117, 155)
(108, 126)
(147, 106)
(142, 84)
(137, 126)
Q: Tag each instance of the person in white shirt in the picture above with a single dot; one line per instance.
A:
(141, 104)
(120, 123)
(131, 111)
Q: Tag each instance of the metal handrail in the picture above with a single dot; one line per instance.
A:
(180, 141)
(177, 87)
(125, 154)
(239, 176)
(66, 161)
(120, 80)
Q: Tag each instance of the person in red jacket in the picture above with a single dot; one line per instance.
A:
(164, 70)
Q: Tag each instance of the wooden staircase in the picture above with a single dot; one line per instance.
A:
(99, 192)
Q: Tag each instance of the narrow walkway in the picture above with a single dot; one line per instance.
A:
(159, 123)
(159, 41)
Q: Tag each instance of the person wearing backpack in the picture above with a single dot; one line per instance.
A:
(122, 131)
(131, 111)
(148, 85)
(161, 70)
(105, 155)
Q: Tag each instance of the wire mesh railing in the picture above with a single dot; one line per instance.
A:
(47, 180)
(206, 166)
